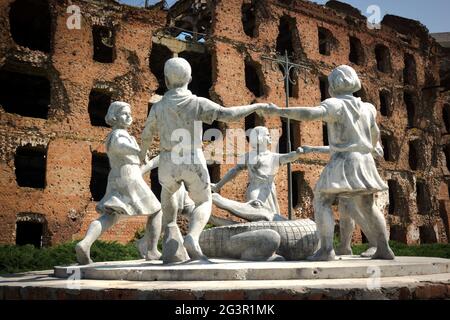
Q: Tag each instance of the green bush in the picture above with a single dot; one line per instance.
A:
(26, 258)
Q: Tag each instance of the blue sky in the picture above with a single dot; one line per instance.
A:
(432, 13)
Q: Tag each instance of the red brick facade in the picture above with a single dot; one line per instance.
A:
(399, 68)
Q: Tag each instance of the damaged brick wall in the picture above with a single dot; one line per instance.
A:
(118, 54)
(65, 131)
(443, 113)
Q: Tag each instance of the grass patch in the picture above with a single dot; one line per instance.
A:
(439, 250)
(15, 259)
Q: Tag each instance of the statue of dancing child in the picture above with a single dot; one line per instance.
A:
(351, 173)
(127, 194)
(261, 196)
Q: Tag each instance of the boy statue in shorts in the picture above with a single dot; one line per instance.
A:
(177, 118)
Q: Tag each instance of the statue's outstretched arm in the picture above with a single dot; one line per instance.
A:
(147, 136)
(152, 164)
(234, 114)
(230, 175)
(295, 155)
(125, 145)
(321, 149)
(378, 150)
(291, 156)
(299, 113)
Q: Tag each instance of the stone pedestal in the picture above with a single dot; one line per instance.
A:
(347, 267)
(349, 278)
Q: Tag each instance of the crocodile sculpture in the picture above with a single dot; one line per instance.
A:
(291, 239)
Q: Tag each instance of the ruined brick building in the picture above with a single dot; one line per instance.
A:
(57, 79)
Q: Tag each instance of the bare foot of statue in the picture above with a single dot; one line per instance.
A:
(146, 254)
(384, 254)
(323, 255)
(193, 248)
(276, 257)
(83, 254)
(344, 251)
(153, 255)
(369, 252)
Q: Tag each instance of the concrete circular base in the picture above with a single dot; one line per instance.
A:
(346, 267)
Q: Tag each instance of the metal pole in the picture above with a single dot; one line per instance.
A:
(289, 147)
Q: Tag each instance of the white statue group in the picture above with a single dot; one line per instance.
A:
(350, 176)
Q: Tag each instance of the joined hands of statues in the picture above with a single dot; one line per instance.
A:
(267, 109)
(307, 149)
(214, 188)
(144, 165)
(143, 156)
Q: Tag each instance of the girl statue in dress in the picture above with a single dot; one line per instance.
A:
(351, 174)
(127, 194)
